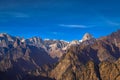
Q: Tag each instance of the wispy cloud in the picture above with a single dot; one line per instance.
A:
(113, 23)
(20, 15)
(73, 26)
(13, 14)
(107, 21)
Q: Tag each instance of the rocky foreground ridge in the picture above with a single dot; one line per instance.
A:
(37, 59)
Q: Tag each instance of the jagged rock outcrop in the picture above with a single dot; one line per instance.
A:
(55, 48)
(35, 41)
(87, 36)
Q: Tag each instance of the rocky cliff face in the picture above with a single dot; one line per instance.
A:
(70, 68)
(110, 71)
(55, 48)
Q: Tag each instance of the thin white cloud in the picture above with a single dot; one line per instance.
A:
(73, 26)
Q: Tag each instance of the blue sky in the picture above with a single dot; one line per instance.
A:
(59, 19)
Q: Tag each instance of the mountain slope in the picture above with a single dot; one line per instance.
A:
(90, 61)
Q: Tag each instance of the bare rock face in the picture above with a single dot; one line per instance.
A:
(6, 40)
(16, 43)
(74, 42)
(55, 48)
(55, 51)
(70, 68)
(35, 41)
(87, 36)
(5, 64)
(109, 71)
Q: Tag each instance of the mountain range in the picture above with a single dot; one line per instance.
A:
(38, 59)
